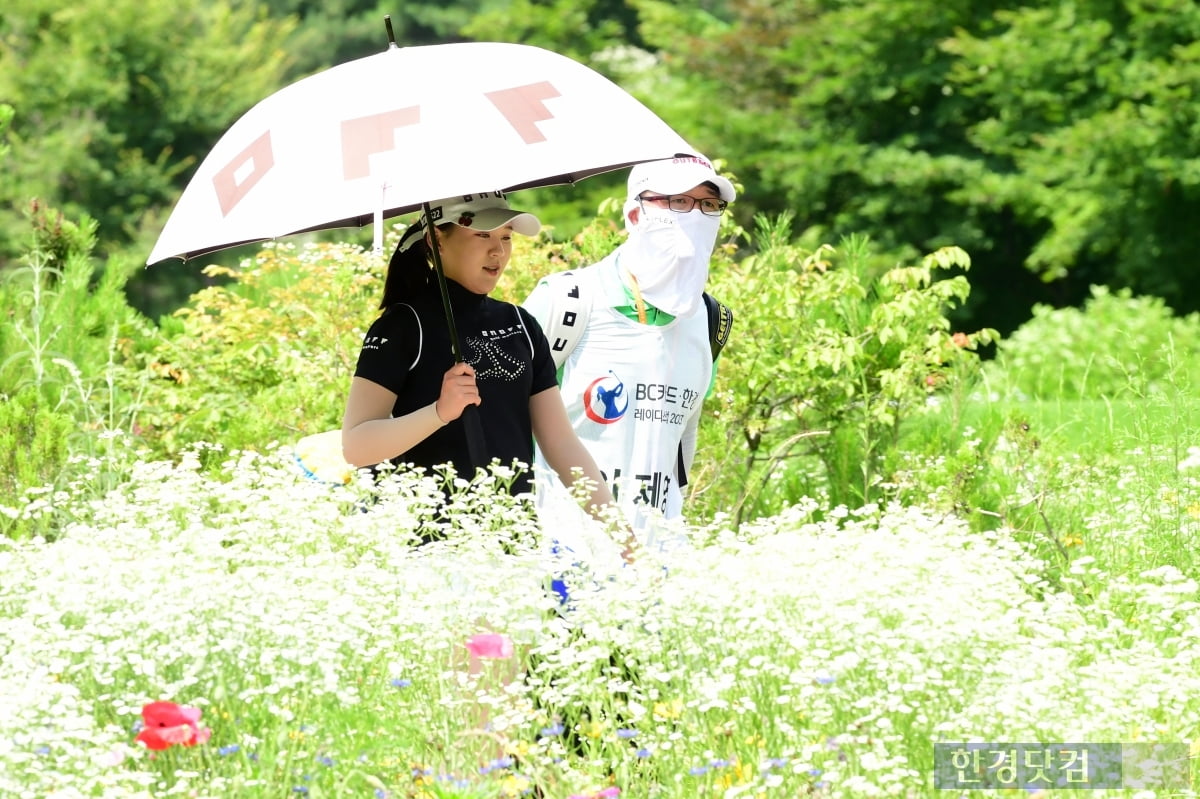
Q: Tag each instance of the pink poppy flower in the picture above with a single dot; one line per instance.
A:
(490, 645)
(167, 724)
(607, 793)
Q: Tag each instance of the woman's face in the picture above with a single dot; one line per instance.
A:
(475, 259)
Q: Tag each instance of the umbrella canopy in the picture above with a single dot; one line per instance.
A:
(377, 137)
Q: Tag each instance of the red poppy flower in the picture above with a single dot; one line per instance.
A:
(167, 724)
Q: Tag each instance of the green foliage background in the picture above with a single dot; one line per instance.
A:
(1053, 141)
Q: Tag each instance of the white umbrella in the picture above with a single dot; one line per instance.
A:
(379, 136)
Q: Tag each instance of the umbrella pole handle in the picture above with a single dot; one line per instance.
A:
(472, 424)
(473, 427)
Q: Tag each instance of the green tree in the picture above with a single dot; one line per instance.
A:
(1055, 141)
(268, 355)
(581, 29)
(115, 102)
(842, 114)
(335, 31)
(1088, 127)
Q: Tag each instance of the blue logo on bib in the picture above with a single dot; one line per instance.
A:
(604, 400)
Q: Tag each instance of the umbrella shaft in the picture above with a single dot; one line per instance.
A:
(455, 347)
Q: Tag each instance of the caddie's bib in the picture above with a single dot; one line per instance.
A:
(630, 390)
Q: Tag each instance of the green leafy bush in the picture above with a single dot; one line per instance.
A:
(831, 353)
(1116, 344)
(266, 357)
(33, 442)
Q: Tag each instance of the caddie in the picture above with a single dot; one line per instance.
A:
(635, 337)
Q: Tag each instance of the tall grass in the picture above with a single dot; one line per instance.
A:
(63, 379)
(1110, 476)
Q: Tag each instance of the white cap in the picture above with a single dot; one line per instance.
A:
(486, 211)
(482, 211)
(677, 175)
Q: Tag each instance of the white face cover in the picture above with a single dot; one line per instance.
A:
(668, 254)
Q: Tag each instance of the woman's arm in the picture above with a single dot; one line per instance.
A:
(371, 435)
(570, 459)
(563, 450)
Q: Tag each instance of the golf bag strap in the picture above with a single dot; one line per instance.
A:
(720, 324)
(570, 309)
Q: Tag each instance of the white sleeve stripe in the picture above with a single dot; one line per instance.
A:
(525, 330)
(420, 337)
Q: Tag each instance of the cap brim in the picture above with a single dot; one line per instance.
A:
(686, 180)
(728, 193)
(678, 179)
(491, 218)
